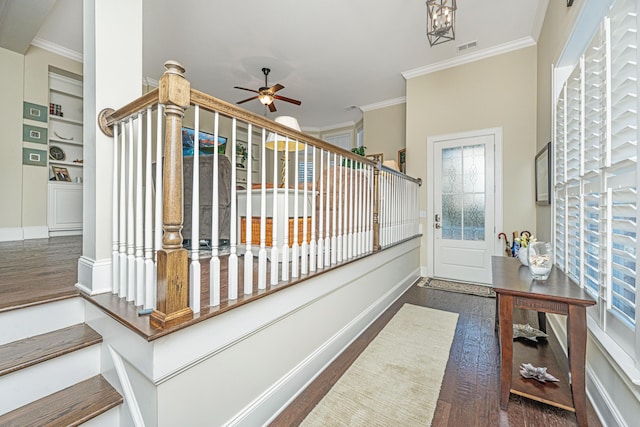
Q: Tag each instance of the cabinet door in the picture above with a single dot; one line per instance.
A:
(65, 207)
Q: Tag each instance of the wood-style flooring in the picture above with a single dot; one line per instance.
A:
(469, 394)
(36, 271)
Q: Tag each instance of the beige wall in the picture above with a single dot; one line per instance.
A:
(556, 28)
(495, 92)
(11, 85)
(385, 131)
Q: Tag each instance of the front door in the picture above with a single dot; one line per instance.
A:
(463, 208)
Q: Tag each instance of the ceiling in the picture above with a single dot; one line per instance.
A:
(334, 55)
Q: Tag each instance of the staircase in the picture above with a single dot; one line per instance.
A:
(50, 368)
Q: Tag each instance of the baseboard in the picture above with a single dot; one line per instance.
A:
(94, 277)
(77, 232)
(11, 234)
(294, 382)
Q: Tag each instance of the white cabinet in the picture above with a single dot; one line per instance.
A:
(65, 153)
(65, 208)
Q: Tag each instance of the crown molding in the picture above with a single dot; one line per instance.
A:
(343, 125)
(57, 49)
(471, 57)
(383, 104)
(150, 82)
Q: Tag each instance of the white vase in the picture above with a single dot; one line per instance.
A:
(540, 256)
(522, 256)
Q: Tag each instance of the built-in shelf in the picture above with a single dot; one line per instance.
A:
(64, 141)
(65, 120)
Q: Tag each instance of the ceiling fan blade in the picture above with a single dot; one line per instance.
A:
(272, 107)
(248, 99)
(244, 88)
(275, 88)
(284, 98)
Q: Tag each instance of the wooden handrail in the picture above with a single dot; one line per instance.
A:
(108, 117)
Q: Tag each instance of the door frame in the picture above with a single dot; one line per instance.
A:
(497, 179)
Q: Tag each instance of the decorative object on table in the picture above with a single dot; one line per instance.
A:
(527, 370)
(378, 157)
(284, 143)
(543, 183)
(441, 19)
(61, 174)
(507, 246)
(540, 260)
(55, 110)
(241, 155)
(523, 242)
(527, 331)
(64, 138)
(56, 153)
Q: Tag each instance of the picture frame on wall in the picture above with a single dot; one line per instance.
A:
(402, 160)
(543, 175)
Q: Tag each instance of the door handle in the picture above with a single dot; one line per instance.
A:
(437, 221)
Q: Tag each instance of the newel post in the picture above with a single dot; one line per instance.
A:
(376, 209)
(172, 305)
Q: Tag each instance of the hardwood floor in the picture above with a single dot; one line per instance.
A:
(35, 271)
(469, 394)
(39, 270)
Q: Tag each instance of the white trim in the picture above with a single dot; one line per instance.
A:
(311, 129)
(127, 388)
(317, 361)
(384, 104)
(36, 232)
(57, 49)
(94, 277)
(472, 57)
(498, 196)
(538, 20)
(10, 234)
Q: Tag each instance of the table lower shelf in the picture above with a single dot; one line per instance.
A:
(541, 354)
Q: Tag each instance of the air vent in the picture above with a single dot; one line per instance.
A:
(467, 46)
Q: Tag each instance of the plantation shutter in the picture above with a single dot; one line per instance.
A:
(573, 159)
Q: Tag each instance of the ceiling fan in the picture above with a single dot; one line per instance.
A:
(267, 94)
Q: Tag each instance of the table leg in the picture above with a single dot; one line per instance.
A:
(506, 347)
(542, 321)
(577, 347)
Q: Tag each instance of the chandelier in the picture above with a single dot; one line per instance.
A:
(441, 21)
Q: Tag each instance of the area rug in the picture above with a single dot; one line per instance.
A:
(397, 378)
(462, 288)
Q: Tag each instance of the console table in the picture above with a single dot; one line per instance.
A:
(515, 288)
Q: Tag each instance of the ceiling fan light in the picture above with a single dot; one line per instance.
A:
(265, 99)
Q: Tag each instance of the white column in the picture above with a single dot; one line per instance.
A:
(112, 78)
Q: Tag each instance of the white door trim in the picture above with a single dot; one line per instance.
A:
(431, 140)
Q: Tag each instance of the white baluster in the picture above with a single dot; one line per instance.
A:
(321, 214)
(233, 256)
(312, 244)
(122, 214)
(340, 214)
(149, 275)
(115, 255)
(214, 262)
(285, 217)
(327, 240)
(334, 212)
(139, 217)
(274, 216)
(194, 267)
(248, 254)
(350, 214)
(131, 254)
(295, 247)
(304, 266)
(262, 255)
(158, 200)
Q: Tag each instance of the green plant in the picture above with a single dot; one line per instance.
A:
(241, 151)
(356, 150)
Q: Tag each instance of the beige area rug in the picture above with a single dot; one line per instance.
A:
(462, 288)
(396, 380)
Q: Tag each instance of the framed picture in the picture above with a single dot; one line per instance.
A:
(402, 160)
(543, 181)
(378, 157)
(61, 174)
(206, 142)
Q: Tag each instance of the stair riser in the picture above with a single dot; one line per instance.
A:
(110, 418)
(24, 386)
(39, 319)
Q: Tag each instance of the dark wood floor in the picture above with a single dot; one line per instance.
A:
(469, 394)
(35, 271)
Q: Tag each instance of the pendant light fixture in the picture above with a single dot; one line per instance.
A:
(441, 21)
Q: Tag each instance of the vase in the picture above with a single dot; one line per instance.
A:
(522, 256)
(540, 257)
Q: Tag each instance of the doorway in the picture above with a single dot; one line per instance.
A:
(465, 204)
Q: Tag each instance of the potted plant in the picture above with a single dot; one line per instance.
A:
(241, 155)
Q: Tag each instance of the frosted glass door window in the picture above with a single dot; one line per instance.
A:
(463, 193)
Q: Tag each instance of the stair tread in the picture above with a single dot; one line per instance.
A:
(30, 351)
(69, 407)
